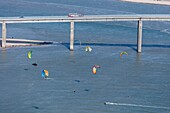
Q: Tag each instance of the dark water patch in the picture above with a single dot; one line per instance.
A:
(87, 90)
(77, 81)
(34, 64)
(73, 62)
(13, 41)
(35, 107)
(121, 45)
(132, 46)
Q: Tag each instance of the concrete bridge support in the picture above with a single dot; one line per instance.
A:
(3, 34)
(139, 37)
(71, 35)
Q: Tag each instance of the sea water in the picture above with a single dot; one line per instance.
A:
(133, 83)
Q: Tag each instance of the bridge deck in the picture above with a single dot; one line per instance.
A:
(86, 18)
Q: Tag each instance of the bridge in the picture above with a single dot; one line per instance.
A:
(87, 18)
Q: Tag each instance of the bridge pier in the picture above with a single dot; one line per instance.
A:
(139, 36)
(71, 35)
(3, 34)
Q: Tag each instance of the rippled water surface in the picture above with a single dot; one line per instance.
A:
(135, 83)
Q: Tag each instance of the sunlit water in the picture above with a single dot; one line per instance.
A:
(136, 79)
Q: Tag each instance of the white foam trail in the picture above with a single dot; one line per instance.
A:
(49, 78)
(54, 91)
(165, 31)
(136, 105)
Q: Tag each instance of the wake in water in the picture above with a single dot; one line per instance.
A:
(136, 105)
(48, 78)
(166, 31)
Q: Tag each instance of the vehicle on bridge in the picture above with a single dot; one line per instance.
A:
(75, 15)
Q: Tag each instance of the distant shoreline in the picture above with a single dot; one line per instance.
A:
(159, 2)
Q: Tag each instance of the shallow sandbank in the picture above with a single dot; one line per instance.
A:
(160, 2)
(24, 42)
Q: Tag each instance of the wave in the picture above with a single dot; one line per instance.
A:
(166, 31)
(78, 8)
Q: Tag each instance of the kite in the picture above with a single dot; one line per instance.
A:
(45, 73)
(30, 54)
(94, 69)
(123, 53)
(88, 49)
